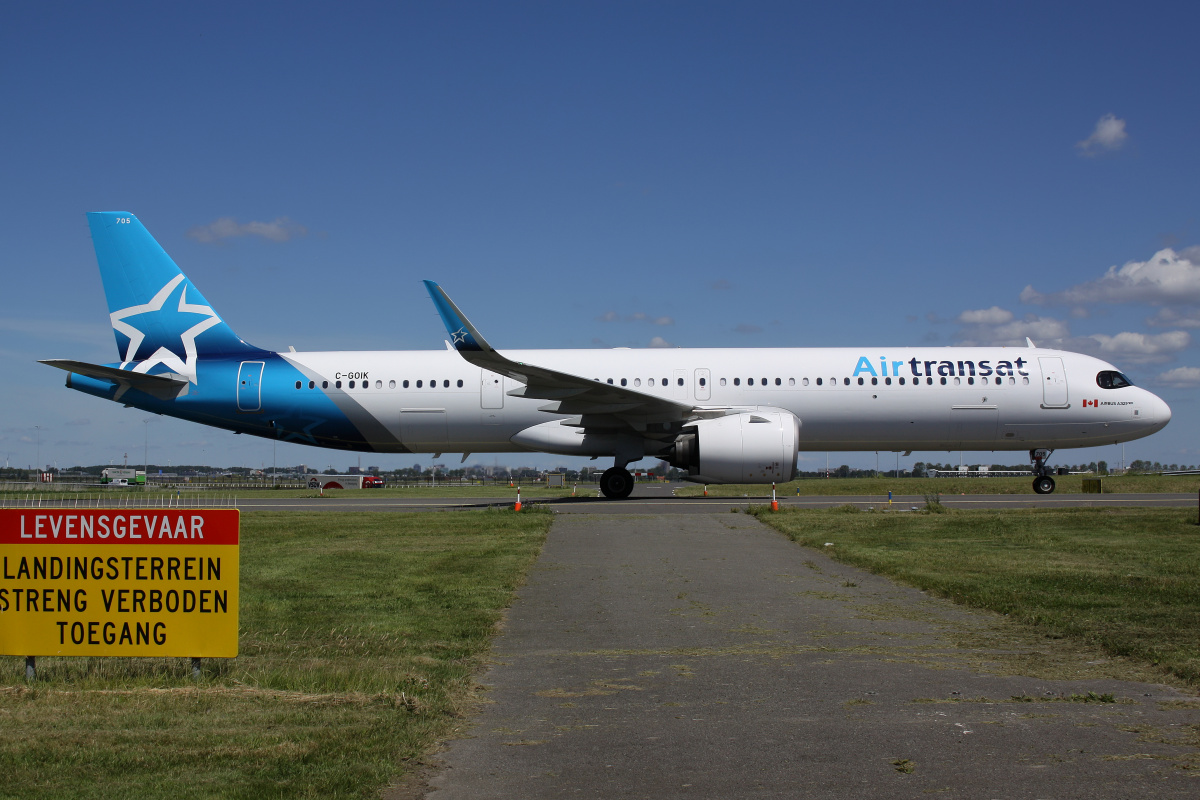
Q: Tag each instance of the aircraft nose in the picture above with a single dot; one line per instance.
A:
(1163, 412)
(1160, 412)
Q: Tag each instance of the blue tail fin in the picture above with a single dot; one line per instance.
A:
(157, 315)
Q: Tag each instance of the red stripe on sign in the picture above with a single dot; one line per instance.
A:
(107, 526)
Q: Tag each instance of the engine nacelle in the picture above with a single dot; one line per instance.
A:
(752, 447)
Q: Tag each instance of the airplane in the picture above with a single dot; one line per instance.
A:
(725, 415)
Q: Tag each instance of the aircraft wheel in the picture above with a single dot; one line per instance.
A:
(1043, 484)
(616, 483)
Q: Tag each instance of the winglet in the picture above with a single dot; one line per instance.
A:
(1029, 342)
(463, 334)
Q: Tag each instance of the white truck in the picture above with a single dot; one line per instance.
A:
(123, 476)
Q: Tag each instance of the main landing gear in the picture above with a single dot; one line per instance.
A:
(1042, 482)
(616, 483)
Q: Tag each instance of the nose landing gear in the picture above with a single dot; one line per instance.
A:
(1042, 482)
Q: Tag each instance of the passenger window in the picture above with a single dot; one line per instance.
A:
(860, 381)
(704, 382)
(420, 384)
(970, 381)
(637, 381)
(351, 384)
(610, 381)
(324, 384)
(943, 381)
(874, 381)
(1012, 381)
(624, 382)
(818, 381)
(999, 381)
(337, 384)
(737, 381)
(750, 381)
(886, 381)
(446, 384)
(722, 381)
(1025, 381)
(764, 381)
(780, 383)
(312, 384)
(792, 381)
(460, 383)
(929, 381)
(297, 384)
(846, 381)
(391, 384)
(405, 384)
(680, 381)
(379, 384)
(650, 382)
(666, 382)
(902, 381)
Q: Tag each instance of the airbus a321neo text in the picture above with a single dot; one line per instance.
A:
(724, 415)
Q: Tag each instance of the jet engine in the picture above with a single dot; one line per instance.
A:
(751, 447)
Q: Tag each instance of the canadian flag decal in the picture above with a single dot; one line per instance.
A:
(1092, 403)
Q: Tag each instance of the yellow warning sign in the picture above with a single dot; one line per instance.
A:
(133, 582)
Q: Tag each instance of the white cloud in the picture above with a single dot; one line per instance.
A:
(658, 341)
(998, 326)
(1109, 134)
(1167, 278)
(637, 316)
(1173, 318)
(986, 316)
(1180, 377)
(278, 230)
(1141, 347)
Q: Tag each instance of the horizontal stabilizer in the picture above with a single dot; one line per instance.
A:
(165, 387)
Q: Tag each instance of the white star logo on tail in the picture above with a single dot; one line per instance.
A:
(185, 366)
(459, 335)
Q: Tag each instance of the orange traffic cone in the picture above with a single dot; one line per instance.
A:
(774, 502)
(517, 505)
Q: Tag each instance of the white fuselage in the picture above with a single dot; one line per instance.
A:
(889, 398)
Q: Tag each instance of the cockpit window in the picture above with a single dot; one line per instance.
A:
(1110, 379)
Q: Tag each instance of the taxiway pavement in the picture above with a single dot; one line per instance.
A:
(667, 655)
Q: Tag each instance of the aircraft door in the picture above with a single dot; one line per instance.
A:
(491, 390)
(703, 384)
(249, 389)
(1054, 382)
(680, 383)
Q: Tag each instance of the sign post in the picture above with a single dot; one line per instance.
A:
(118, 582)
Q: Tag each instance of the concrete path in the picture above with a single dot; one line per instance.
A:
(709, 657)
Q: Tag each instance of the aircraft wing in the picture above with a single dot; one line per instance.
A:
(162, 386)
(599, 406)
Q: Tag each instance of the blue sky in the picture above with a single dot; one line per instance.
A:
(603, 174)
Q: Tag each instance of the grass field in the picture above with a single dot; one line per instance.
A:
(184, 495)
(1065, 484)
(358, 644)
(1125, 579)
